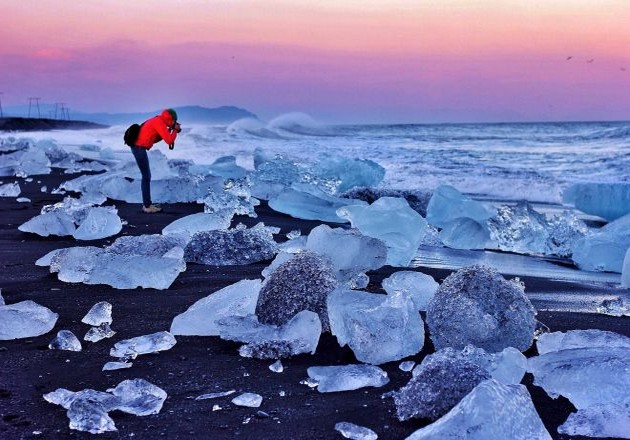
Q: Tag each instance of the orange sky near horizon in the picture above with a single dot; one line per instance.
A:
(326, 54)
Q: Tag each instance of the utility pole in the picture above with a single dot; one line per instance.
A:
(65, 114)
(30, 101)
(1, 114)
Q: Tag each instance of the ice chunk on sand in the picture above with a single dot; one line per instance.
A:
(310, 203)
(557, 341)
(349, 251)
(277, 366)
(438, 384)
(419, 286)
(407, 366)
(492, 411)
(235, 198)
(586, 376)
(299, 335)
(99, 223)
(139, 397)
(153, 245)
(347, 377)
(302, 283)
(608, 200)
(215, 395)
(96, 334)
(116, 365)
(231, 247)
(250, 400)
(465, 233)
(508, 366)
(25, 319)
(348, 172)
(448, 204)
(202, 317)
(378, 328)
(23, 200)
(87, 415)
(605, 249)
(616, 306)
(152, 343)
(1, 298)
(201, 221)
(50, 223)
(65, 340)
(477, 306)
(391, 220)
(355, 432)
(598, 421)
(100, 313)
(10, 190)
(625, 271)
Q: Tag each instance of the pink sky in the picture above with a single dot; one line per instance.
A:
(343, 61)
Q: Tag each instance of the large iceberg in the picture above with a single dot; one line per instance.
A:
(302, 283)
(391, 220)
(25, 319)
(419, 286)
(349, 251)
(605, 249)
(202, 317)
(491, 411)
(476, 305)
(448, 204)
(347, 377)
(230, 247)
(607, 200)
(378, 328)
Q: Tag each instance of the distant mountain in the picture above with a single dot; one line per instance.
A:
(192, 114)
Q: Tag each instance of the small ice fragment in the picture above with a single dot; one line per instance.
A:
(614, 307)
(44, 188)
(250, 400)
(407, 365)
(355, 432)
(139, 397)
(87, 415)
(214, 395)
(572, 339)
(282, 393)
(1, 298)
(100, 313)
(65, 340)
(116, 365)
(294, 234)
(311, 383)
(95, 334)
(24, 320)
(277, 367)
(10, 190)
(216, 408)
(347, 377)
(23, 200)
(130, 348)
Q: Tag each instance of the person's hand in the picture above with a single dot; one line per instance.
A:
(171, 146)
(177, 127)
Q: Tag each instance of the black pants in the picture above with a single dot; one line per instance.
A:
(142, 159)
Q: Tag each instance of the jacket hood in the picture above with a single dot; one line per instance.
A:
(169, 116)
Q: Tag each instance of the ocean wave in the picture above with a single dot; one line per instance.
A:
(252, 127)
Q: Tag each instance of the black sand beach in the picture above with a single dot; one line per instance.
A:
(195, 365)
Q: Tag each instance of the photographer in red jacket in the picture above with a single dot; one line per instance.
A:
(162, 127)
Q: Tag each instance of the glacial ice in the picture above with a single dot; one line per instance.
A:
(116, 365)
(437, 385)
(224, 166)
(201, 221)
(347, 377)
(65, 340)
(477, 306)
(202, 317)
(605, 249)
(88, 409)
(10, 190)
(598, 421)
(586, 376)
(309, 202)
(99, 333)
(148, 245)
(231, 247)
(25, 319)
(491, 411)
(378, 328)
(215, 395)
(26, 162)
(250, 400)
(50, 223)
(448, 204)
(355, 432)
(348, 172)
(235, 198)
(418, 199)
(617, 306)
(406, 366)
(277, 366)
(465, 233)
(302, 283)
(508, 366)
(152, 343)
(557, 341)
(392, 221)
(349, 251)
(273, 175)
(23, 200)
(99, 223)
(299, 335)
(625, 271)
(100, 313)
(607, 200)
(419, 286)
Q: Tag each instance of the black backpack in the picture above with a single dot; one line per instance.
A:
(131, 135)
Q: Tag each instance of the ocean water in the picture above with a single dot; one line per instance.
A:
(525, 161)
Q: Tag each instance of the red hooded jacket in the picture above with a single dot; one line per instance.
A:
(156, 129)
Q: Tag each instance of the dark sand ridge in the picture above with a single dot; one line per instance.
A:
(195, 365)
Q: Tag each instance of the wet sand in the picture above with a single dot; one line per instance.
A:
(195, 365)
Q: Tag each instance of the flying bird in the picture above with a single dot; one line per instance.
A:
(569, 57)
(590, 61)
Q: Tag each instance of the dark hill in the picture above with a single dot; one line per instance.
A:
(42, 124)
